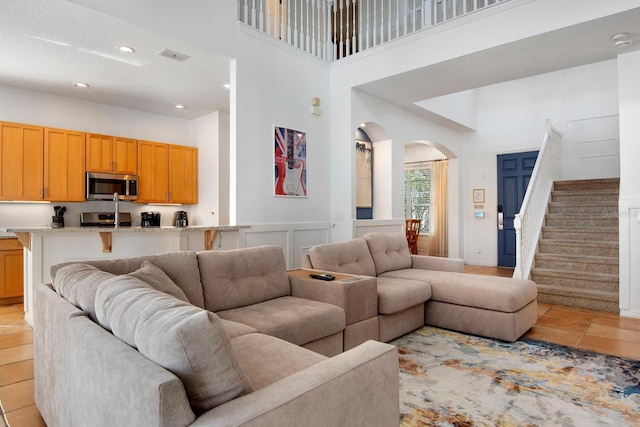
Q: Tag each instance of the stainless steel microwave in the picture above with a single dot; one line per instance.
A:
(102, 186)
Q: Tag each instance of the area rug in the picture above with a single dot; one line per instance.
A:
(453, 379)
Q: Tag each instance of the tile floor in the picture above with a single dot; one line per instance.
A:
(602, 332)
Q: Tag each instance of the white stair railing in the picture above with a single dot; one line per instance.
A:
(528, 222)
(336, 29)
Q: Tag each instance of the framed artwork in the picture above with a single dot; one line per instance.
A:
(478, 195)
(364, 174)
(290, 162)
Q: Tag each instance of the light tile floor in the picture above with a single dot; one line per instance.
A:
(597, 331)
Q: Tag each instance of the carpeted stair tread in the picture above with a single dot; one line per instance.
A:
(604, 183)
(604, 234)
(577, 262)
(578, 247)
(589, 221)
(576, 275)
(575, 279)
(583, 293)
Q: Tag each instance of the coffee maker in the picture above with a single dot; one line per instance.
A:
(181, 219)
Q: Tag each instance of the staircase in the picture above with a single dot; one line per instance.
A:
(577, 260)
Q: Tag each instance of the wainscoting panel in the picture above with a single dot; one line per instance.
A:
(591, 148)
(296, 239)
(362, 227)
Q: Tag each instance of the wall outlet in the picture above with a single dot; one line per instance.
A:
(479, 250)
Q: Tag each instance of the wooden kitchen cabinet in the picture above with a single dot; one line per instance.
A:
(21, 161)
(11, 268)
(183, 174)
(167, 173)
(64, 165)
(111, 154)
(153, 172)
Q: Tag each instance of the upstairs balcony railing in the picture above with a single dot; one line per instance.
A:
(336, 29)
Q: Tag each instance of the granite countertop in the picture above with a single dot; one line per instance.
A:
(48, 229)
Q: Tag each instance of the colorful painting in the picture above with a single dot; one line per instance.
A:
(290, 162)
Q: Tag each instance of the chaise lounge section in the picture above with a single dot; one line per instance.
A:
(135, 342)
(436, 288)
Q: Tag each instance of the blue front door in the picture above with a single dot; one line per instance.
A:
(514, 173)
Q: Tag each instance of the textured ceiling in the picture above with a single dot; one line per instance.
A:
(47, 45)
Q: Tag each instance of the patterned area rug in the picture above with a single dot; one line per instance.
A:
(452, 379)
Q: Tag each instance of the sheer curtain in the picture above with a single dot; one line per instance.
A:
(438, 240)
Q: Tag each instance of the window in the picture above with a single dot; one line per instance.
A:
(417, 195)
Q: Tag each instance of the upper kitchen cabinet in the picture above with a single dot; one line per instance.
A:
(64, 157)
(111, 154)
(167, 173)
(183, 174)
(21, 162)
(153, 172)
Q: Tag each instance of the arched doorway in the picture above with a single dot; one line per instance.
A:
(426, 188)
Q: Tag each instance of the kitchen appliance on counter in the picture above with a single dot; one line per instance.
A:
(181, 219)
(104, 219)
(57, 220)
(101, 186)
(150, 219)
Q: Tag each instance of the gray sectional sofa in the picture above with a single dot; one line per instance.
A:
(415, 290)
(214, 338)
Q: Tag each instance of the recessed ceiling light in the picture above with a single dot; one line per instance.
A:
(80, 84)
(226, 86)
(126, 49)
(180, 107)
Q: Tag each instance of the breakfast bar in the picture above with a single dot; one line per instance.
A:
(47, 246)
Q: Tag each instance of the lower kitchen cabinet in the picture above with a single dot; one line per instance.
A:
(11, 268)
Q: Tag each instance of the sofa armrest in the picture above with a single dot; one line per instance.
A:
(358, 387)
(81, 373)
(425, 262)
(356, 295)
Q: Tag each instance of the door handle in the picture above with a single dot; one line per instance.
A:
(500, 218)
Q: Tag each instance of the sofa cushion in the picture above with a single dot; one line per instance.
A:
(181, 267)
(242, 277)
(182, 338)
(296, 320)
(266, 359)
(158, 279)
(487, 292)
(350, 257)
(395, 295)
(78, 283)
(390, 251)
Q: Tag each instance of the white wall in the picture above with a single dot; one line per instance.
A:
(274, 87)
(210, 133)
(38, 108)
(401, 127)
(629, 205)
(511, 118)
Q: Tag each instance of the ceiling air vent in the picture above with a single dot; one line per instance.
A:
(176, 56)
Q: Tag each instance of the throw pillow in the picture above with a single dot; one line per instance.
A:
(78, 283)
(158, 279)
(182, 338)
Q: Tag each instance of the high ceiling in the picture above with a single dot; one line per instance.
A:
(47, 45)
(582, 44)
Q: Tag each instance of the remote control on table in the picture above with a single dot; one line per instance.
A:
(327, 277)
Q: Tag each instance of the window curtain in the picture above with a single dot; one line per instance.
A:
(438, 238)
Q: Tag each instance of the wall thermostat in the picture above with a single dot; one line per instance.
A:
(479, 215)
